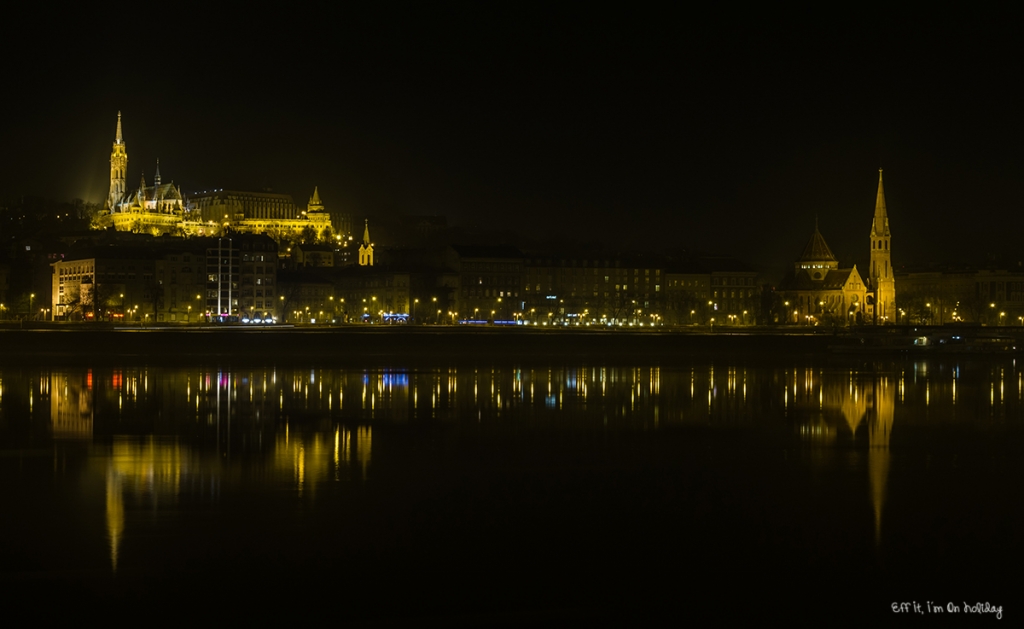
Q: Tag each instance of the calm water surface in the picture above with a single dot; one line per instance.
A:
(521, 493)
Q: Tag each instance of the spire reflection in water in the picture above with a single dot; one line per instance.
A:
(408, 460)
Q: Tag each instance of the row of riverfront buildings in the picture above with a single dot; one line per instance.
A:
(221, 253)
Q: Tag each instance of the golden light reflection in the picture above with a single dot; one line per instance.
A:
(114, 516)
(71, 414)
(150, 470)
(310, 441)
(879, 433)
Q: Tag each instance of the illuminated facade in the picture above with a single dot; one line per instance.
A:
(174, 280)
(162, 209)
(273, 214)
(880, 276)
(116, 284)
(118, 169)
(366, 249)
(156, 209)
(818, 291)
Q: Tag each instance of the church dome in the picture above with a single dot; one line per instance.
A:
(816, 249)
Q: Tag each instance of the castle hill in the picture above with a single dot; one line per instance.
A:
(493, 314)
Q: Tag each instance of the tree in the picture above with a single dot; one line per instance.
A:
(308, 235)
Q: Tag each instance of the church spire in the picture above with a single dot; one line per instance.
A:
(315, 204)
(881, 272)
(366, 233)
(156, 178)
(880, 224)
(118, 170)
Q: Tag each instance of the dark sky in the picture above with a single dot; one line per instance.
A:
(631, 126)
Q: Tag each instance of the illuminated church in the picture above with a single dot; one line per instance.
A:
(880, 276)
(161, 208)
(819, 292)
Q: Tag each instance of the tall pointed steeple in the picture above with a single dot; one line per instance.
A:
(880, 224)
(880, 275)
(156, 178)
(366, 233)
(118, 170)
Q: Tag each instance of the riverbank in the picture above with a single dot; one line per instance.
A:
(363, 345)
(360, 344)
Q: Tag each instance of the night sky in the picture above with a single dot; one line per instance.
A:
(670, 129)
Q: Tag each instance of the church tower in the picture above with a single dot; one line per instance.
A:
(881, 262)
(366, 249)
(315, 204)
(118, 169)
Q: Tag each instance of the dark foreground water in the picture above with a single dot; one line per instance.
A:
(565, 492)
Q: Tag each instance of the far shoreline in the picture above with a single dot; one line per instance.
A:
(365, 344)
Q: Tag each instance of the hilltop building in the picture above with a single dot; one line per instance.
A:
(162, 209)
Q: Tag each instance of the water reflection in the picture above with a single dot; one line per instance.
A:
(149, 471)
(168, 433)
